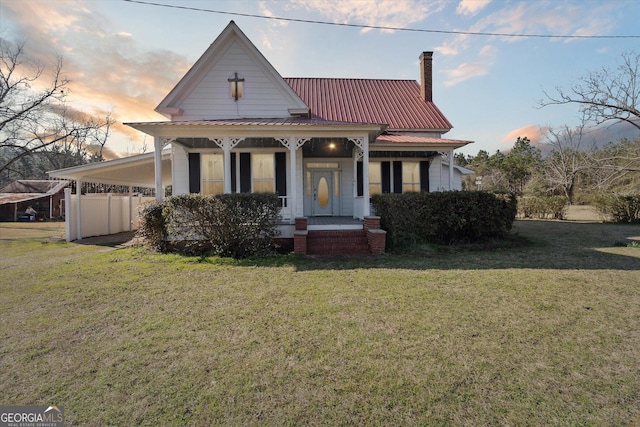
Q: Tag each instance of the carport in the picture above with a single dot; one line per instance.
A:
(88, 215)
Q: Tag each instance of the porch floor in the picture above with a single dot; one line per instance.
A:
(333, 223)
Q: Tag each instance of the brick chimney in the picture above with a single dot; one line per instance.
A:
(426, 76)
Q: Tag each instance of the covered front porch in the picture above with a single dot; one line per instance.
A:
(311, 164)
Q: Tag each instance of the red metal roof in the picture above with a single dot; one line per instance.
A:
(396, 103)
(399, 139)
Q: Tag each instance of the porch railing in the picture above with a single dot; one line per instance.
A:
(286, 210)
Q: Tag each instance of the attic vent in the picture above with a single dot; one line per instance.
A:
(236, 86)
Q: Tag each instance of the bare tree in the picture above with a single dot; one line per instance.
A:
(575, 158)
(33, 114)
(571, 158)
(606, 94)
(615, 162)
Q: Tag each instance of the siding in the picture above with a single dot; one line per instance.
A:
(180, 171)
(435, 174)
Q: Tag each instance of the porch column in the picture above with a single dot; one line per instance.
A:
(227, 168)
(227, 144)
(157, 159)
(79, 209)
(293, 196)
(293, 143)
(363, 144)
(365, 176)
(67, 213)
(450, 170)
(131, 206)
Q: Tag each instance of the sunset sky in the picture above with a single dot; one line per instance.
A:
(126, 56)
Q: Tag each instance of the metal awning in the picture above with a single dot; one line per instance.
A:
(7, 198)
(15, 192)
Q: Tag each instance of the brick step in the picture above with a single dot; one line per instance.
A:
(353, 242)
(338, 250)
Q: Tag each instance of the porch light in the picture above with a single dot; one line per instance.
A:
(236, 86)
(332, 146)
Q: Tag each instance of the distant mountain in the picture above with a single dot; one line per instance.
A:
(601, 136)
(613, 132)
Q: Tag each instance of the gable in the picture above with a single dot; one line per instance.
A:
(204, 93)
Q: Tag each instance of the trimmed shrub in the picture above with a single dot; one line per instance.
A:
(618, 207)
(444, 217)
(235, 225)
(544, 207)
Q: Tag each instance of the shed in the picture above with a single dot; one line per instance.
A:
(45, 196)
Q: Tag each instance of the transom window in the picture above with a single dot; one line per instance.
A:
(323, 165)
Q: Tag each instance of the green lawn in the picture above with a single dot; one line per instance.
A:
(542, 334)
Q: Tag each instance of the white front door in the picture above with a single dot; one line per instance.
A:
(322, 196)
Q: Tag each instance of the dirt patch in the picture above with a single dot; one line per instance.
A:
(582, 213)
(120, 240)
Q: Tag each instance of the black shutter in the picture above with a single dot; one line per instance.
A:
(245, 172)
(397, 177)
(385, 173)
(424, 176)
(359, 179)
(234, 184)
(281, 174)
(194, 172)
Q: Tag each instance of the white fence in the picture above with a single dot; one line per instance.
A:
(100, 214)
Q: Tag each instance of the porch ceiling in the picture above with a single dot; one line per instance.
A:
(314, 147)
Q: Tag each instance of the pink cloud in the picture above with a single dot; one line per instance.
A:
(534, 132)
(108, 71)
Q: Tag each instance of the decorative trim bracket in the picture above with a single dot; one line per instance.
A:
(359, 142)
(293, 143)
(227, 143)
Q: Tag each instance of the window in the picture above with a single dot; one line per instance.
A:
(375, 178)
(263, 173)
(410, 176)
(212, 174)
